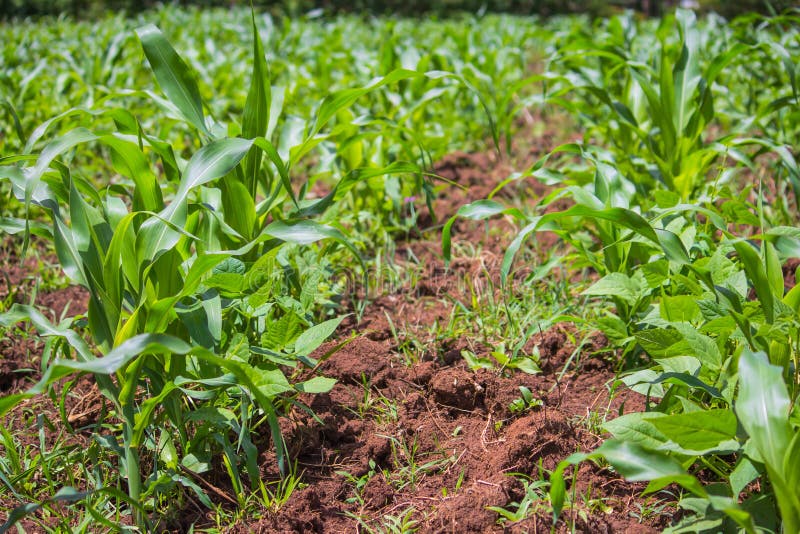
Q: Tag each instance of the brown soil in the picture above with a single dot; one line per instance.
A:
(20, 353)
(789, 273)
(434, 439)
(458, 423)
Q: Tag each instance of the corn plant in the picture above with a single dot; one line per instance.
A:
(653, 100)
(715, 355)
(185, 271)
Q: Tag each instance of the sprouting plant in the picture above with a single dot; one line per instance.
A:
(409, 465)
(359, 483)
(651, 507)
(402, 523)
(372, 403)
(526, 401)
(533, 501)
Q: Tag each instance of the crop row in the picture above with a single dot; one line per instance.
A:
(174, 190)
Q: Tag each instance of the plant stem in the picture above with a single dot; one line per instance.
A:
(128, 393)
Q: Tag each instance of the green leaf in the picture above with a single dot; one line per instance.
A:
(209, 163)
(213, 161)
(669, 242)
(230, 266)
(743, 474)
(312, 338)
(318, 384)
(256, 109)
(763, 406)
(772, 267)
(656, 341)
(305, 232)
(15, 119)
(636, 463)
(339, 100)
(698, 431)
(698, 345)
(757, 275)
(629, 289)
(786, 491)
(239, 209)
(637, 428)
(65, 494)
(130, 161)
(632, 461)
(686, 72)
(173, 76)
(482, 209)
(679, 308)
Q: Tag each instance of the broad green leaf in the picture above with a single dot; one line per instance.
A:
(656, 341)
(633, 462)
(312, 338)
(211, 162)
(698, 345)
(230, 266)
(317, 384)
(637, 428)
(679, 308)
(698, 431)
(637, 464)
(629, 289)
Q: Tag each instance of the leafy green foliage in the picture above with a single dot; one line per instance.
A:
(688, 256)
(205, 202)
(190, 300)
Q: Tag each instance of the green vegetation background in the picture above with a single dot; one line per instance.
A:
(84, 8)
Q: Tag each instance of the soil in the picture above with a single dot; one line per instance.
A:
(434, 441)
(456, 426)
(20, 354)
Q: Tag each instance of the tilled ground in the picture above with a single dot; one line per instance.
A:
(441, 439)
